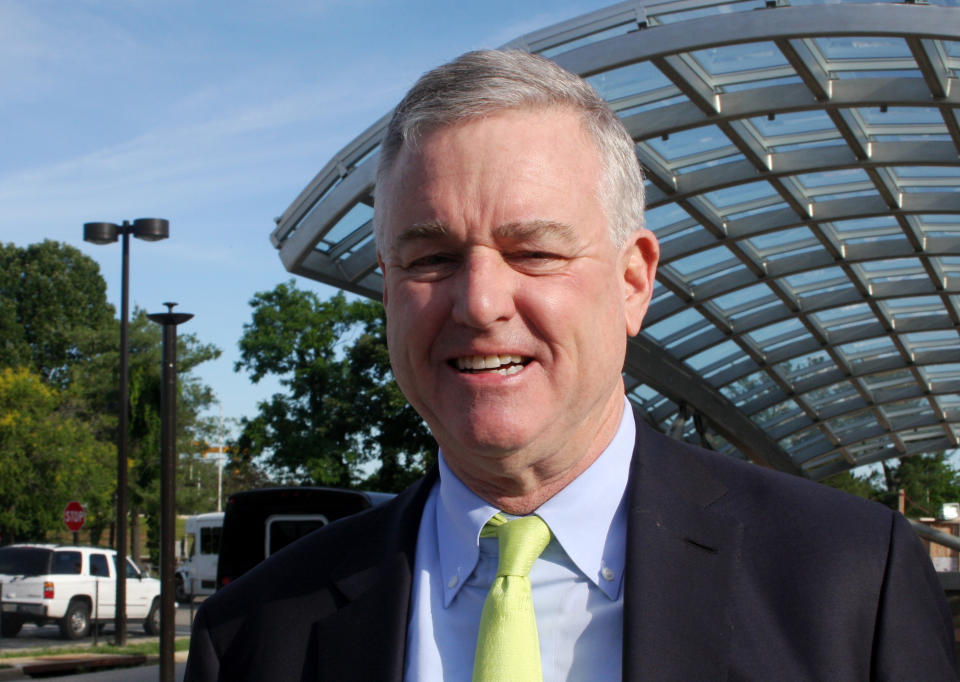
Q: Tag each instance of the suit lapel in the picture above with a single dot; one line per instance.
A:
(373, 597)
(681, 559)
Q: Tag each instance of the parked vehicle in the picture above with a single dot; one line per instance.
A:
(72, 586)
(258, 523)
(198, 574)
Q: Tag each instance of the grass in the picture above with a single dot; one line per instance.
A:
(145, 648)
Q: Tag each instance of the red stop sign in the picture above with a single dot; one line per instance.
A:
(74, 515)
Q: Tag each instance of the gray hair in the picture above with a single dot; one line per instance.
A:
(480, 83)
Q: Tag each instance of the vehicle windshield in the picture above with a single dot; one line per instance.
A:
(24, 560)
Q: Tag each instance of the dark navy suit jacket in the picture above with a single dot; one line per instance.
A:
(733, 572)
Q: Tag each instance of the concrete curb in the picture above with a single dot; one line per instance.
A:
(17, 665)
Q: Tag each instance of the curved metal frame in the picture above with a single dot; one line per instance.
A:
(826, 177)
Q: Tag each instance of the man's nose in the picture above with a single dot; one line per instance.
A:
(484, 290)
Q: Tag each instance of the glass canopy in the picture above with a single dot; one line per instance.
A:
(803, 177)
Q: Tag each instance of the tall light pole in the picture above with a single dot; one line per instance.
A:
(151, 230)
(168, 463)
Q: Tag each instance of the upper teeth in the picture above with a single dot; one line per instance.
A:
(487, 361)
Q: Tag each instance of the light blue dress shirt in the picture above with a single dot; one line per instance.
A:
(577, 581)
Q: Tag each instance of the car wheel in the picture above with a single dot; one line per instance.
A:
(180, 592)
(152, 624)
(76, 622)
(10, 626)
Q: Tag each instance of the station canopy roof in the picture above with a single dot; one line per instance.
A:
(803, 178)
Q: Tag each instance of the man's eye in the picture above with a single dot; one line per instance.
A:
(430, 261)
(430, 266)
(537, 261)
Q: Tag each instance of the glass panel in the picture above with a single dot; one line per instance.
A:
(832, 178)
(770, 415)
(900, 377)
(743, 389)
(669, 18)
(775, 335)
(681, 322)
(828, 395)
(808, 437)
(921, 341)
(901, 116)
(664, 216)
(749, 297)
(728, 350)
(740, 194)
(835, 317)
(689, 266)
(805, 367)
(949, 371)
(847, 426)
(861, 351)
(739, 58)
(766, 83)
(628, 80)
(926, 172)
(862, 47)
(551, 52)
(354, 218)
(791, 124)
(689, 142)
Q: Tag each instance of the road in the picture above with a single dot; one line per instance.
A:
(48, 636)
(142, 673)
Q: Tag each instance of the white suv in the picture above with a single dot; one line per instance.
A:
(74, 587)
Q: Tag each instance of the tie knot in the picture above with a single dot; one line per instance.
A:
(520, 542)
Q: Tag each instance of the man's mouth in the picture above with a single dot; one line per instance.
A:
(490, 364)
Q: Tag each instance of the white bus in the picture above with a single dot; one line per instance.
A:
(198, 573)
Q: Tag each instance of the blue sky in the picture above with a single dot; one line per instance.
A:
(211, 114)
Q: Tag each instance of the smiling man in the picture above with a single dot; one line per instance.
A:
(508, 299)
(559, 538)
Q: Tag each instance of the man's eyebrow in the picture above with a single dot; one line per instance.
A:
(536, 229)
(426, 231)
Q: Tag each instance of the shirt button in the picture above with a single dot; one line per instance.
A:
(607, 573)
(453, 582)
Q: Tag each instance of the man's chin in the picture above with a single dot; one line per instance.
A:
(490, 438)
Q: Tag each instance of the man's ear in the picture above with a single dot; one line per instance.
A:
(639, 258)
(383, 270)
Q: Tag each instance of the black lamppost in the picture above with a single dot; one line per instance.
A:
(168, 463)
(151, 230)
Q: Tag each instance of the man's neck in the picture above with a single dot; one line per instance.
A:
(519, 482)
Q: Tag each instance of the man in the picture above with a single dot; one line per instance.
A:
(509, 221)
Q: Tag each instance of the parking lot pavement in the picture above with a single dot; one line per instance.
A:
(48, 636)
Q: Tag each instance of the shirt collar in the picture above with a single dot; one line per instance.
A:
(594, 541)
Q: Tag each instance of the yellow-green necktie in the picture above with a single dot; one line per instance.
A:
(508, 648)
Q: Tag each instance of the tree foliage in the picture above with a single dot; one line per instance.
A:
(863, 486)
(49, 458)
(341, 413)
(928, 480)
(53, 309)
(57, 327)
(146, 381)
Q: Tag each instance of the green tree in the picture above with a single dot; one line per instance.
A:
(342, 412)
(193, 398)
(53, 309)
(56, 324)
(863, 486)
(49, 458)
(928, 481)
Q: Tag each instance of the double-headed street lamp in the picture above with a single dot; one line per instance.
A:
(151, 230)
